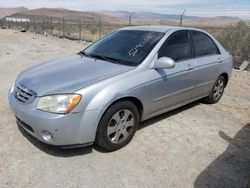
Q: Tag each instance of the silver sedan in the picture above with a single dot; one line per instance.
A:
(101, 94)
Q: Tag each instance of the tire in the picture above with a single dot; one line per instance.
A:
(117, 126)
(217, 91)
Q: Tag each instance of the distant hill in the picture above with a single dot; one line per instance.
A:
(8, 11)
(116, 17)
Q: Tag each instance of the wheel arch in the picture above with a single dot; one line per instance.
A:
(137, 102)
(132, 99)
(225, 75)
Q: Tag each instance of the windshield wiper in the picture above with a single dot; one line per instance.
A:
(95, 56)
(110, 59)
(83, 53)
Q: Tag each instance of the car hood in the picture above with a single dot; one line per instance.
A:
(68, 74)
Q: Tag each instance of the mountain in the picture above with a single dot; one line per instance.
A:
(8, 11)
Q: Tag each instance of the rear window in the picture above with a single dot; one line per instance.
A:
(203, 44)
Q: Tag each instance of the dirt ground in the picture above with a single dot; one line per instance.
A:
(198, 145)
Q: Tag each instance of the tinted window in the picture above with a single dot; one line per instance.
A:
(203, 44)
(177, 46)
(129, 47)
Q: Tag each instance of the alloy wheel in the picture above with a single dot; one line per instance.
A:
(218, 89)
(120, 126)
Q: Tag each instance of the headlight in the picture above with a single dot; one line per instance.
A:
(60, 104)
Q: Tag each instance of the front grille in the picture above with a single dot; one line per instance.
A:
(23, 94)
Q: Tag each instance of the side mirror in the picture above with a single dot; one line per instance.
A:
(164, 63)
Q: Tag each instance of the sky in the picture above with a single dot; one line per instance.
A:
(237, 8)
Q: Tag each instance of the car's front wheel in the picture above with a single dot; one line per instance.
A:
(117, 126)
(217, 90)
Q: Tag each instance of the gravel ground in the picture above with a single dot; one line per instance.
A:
(198, 145)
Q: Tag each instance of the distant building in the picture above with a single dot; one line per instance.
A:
(10, 19)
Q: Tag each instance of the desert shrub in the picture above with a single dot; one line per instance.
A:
(236, 39)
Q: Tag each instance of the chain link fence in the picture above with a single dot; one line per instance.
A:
(68, 28)
(235, 38)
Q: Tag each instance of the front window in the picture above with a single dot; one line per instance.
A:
(177, 47)
(128, 47)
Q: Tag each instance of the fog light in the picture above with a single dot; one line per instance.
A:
(47, 136)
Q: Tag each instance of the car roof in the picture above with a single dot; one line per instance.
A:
(158, 28)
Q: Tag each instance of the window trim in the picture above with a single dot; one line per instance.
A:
(193, 45)
(189, 39)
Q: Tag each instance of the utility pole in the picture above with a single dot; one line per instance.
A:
(182, 17)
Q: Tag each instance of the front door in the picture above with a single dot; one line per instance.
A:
(173, 86)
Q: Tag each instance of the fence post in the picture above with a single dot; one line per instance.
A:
(21, 23)
(27, 26)
(51, 25)
(63, 27)
(43, 25)
(181, 18)
(80, 28)
(100, 31)
(130, 18)
(34, 24)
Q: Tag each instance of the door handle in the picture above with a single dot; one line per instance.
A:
(220, 60)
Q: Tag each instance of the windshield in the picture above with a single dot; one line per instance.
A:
(127, 47)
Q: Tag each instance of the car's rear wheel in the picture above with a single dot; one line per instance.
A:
(117, 126)
(217, 90)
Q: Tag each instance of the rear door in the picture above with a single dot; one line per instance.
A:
(207, 57)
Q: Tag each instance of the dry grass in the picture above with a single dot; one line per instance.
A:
(236, 39)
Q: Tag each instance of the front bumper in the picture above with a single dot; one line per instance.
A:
(71, 129)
